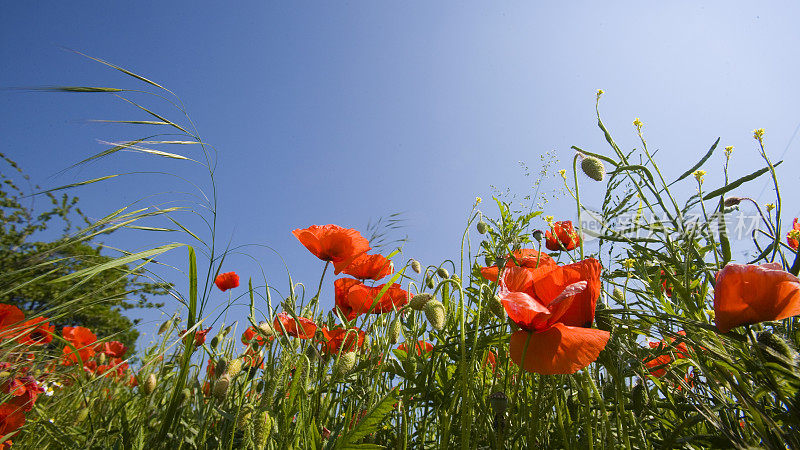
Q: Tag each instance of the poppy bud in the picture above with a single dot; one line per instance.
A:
(150, 384)
(429, 283)
(419, 301)
(638, 398)
(234, 368)
(499, 402)
(443, 273)
(435, 313)
(226, 330)
(416, 266)
(537, 235)
(221, 366)
(488, 260)
(593, 168)
(455, 278)
(221, 387)
(344, 364)
(82, 415)
(497, 307)
(185, 395)
(394, 331)
(732, 201)
(266, 328)
(101, 358)
(165, 326)
(410, 365)
(215, 341)
(482, 227)
(262, 429)
(775, 347)
(617, 294)
(602, 320)
(244, 417)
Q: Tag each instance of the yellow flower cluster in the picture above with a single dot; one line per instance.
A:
(638, 124)
(698, 175)
(758, 134)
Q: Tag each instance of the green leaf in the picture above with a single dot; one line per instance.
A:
(89, 271)
(369, 423)
(739, 182)
(699, 164)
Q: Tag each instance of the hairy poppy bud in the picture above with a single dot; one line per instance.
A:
(638, 398)
(165, 326)
(443, 273)
(82, 415)
(455, 278)
(429, 283)
(497, 307)
(419, 301)
(226, 330)
(416, 266)
(537, 235)
(185, 395)
(775, 347)
(344, 364)
(617, 294)
(410, 366)
(602, 320)
(499, 402)
(488, 259)
(593, 168)
(262, 428)
(221, 387)
(215, 341)
(266, 328)
(482, 227)
(234, 367)
(435, 313)
(101, 358)
(150, 384)
(394, 331)
(732, 201)
(244, 417)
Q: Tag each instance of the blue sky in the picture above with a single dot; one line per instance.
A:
(346, 112)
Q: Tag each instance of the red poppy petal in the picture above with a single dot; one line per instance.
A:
(558, 350)
(524, 310)
(747, 294)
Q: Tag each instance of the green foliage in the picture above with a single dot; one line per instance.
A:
(33, 254)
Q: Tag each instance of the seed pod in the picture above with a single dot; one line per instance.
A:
(443, 273)
(537, 235)
(394, 331)
(150, 384)
(262, 428)
(344, 364)
(419, 301)
(435, 313)
(416, 266)
(221, 387)
(165, 326)
(593, 168)
(499, 402)
(482, 227)
(234, 367)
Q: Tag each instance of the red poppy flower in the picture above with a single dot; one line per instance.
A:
(254, 358)
(23, 391)
(82, 339)
(490, 359)
(422, 347)
(664, 288)
(747, 294)
(306, 329)
(552, 315)
(37, 332)
(659, 364)
(526, 257)
(251, 335)
(114, 349)
(354, 298)
(333, 243)
(199, 336)
(10, 318)
(562, 233)
(335, 340)
(225, 281)
(373, 267)
(792, 236)
(12, 418)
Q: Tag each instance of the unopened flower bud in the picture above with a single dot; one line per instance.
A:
(185, 395)
(435, 313)
(443, 273)
(488, 260)
(394, 331)
(345, 363)
(221, 366)
(266, 328)
(482, 227)
(234, 367)
(419, 301)
(416, 266)
(732, 201)
(215, 341)
(775, 347)
(455, 278)
(262, 428)
(497, 307)
(618, 294)
(221, 387)
(537, 235)
(593, 168)
(602, 320)
(165, 326)
(429, 283)
(101, 358)
(149, 384)
(499, 402)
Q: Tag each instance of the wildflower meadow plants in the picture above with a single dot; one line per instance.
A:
(620, 341)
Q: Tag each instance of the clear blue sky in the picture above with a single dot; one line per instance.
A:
(334, 112)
